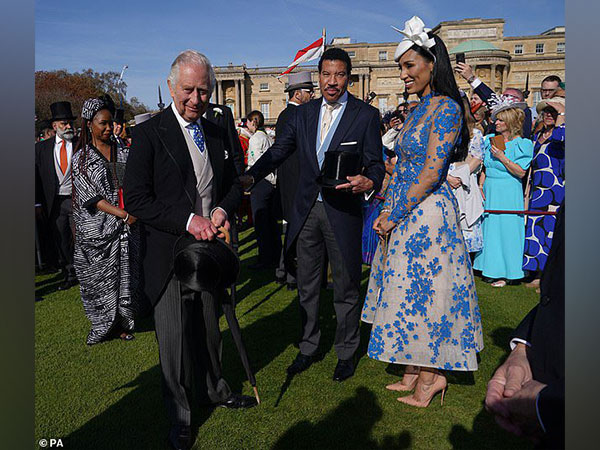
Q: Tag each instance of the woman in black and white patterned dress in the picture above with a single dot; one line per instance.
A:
(105, 241)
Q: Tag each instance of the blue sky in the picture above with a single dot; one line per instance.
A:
(147, 35)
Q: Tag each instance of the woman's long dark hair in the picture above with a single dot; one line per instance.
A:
(444, 83)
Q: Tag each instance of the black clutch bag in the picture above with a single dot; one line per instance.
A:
(337, 166)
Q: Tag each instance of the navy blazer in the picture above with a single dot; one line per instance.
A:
(360, 123)
(160, 189)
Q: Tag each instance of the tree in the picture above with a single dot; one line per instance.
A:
(60, 85)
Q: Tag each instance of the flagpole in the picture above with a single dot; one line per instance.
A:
(324, 38)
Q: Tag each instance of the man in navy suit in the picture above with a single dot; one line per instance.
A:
(328, 217)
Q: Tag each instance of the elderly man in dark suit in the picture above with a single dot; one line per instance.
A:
(180, 178)
(330, 218)
(53, 186)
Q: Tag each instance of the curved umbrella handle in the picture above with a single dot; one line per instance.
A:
(226, 233)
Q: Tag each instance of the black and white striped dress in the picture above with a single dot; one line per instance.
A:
(106, 249)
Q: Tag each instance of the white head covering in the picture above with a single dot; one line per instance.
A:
(414, 33)
(502, 103)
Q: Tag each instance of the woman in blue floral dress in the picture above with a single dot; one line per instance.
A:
(548, 185)
(421, 296)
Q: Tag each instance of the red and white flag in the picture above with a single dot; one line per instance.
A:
(313, 51)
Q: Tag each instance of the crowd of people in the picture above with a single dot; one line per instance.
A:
(444, 188)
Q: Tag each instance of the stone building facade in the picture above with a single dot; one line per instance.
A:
(500, 61)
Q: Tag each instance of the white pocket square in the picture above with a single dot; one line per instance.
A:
(349, 143)
(226, 154)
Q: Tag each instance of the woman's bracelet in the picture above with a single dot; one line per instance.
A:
(386, 211)
(126, 218)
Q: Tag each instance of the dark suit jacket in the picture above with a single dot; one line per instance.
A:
(288, 174)
(360, 123)
(46, 181)
(225, 121)
(544, 329)
(160, 189)
(486, 93)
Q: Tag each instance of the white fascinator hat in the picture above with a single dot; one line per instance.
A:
(414, 32)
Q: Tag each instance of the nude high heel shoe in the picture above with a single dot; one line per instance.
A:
(427, 392)
(400, 386)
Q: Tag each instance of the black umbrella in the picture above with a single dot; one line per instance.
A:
(234, 327)
(236, 333)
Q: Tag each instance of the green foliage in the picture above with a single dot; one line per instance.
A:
(109, 395)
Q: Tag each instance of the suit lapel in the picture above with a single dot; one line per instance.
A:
(172, 139)
(48, 164)
(312, 123)
(352, 109)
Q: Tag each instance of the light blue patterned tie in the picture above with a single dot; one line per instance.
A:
(197, 136)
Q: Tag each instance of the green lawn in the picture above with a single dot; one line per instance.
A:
(108, 396)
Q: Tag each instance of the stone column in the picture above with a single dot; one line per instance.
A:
(504, 77)
(243, 95)
(220, 92)
(493, 78)
(361, 85)
(238, 103)
(367, 83)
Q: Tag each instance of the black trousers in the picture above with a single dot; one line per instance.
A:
(315, 236)
(190, 347)
(265, 204)
(61, 222)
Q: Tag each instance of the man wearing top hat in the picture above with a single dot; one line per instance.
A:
(53, 186)
(118, 125)
(181, 177)
(328, 216)
(300, 90)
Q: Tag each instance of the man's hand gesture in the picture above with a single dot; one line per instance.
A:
(358, 184)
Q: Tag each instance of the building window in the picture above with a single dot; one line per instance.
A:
(518, 49)
(352, 54)
(264, 86)
(264, 109)
(560, 47)
(539, 48)
(382, 56)
(382, 104)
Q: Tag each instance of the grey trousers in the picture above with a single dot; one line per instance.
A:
(315, 236)
(189, 345)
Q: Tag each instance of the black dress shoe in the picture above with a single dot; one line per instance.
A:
(292, 286)
(67, 284)
(343, 370)
(238, 401)
(180, 437)
(300, 364)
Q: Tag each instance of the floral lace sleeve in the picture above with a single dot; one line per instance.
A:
(445, 123)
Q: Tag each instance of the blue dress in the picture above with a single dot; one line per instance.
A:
(421, 296)
(503, 234)
(547, 194)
